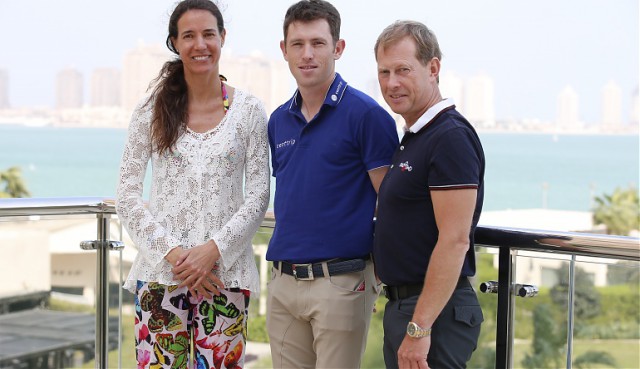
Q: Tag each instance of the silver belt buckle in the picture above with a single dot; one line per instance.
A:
(309, 272)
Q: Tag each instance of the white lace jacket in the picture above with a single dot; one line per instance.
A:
(215, 185)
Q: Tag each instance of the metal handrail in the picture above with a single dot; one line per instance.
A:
(56, 206)
(572, 243)
(507, 240)
(584, 244)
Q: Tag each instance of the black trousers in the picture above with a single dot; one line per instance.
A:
(454, 335)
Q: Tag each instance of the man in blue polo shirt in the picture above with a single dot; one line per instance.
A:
(429, 204)
(331, 146)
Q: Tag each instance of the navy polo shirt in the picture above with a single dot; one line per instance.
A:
(444, 154)
(324, 200)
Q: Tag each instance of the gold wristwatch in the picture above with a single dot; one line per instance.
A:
(415, 331)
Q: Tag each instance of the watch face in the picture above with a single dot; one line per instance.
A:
(411, 329)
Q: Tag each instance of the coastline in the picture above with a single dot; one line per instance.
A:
(590, 131)
(525, 170)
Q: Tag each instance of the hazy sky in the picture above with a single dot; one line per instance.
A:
(531, 49)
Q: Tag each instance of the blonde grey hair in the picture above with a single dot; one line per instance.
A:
(426, 42)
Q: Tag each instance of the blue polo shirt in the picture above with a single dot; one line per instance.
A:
(441, 152)
(324, 200)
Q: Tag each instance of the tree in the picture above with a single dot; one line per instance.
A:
(591, 359)
(586, 297)
(548, 341)
(12, 184)
(623, 272)
(549, 345)
(619, 212)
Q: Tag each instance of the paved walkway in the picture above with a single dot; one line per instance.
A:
(254, 353)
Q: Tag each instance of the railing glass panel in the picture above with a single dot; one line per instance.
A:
(584, 310)
(487, 271)
(48, 294)
(606, 329)
(540, 321)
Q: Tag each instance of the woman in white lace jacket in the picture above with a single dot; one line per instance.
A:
(207, 143)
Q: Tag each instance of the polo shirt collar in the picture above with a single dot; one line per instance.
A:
(332, 97)
(428, 116)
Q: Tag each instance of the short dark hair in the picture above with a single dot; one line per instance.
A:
(311, 10)
(427, 46)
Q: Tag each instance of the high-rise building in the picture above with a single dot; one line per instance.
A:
(372, 87)
(4, 89)
(141, 66)
(479, 105)
(105, 88)
(611, 105)
(567, 110)
(69, 90)
(452, 86)
(635, 108)
(267, 79)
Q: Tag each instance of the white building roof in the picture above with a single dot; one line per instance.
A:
(540, 219)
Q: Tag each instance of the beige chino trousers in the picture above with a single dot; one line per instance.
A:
(321, 323)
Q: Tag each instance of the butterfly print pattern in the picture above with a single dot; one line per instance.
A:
(165, 316)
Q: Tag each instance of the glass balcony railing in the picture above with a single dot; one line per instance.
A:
(558, 296)
(551, 299)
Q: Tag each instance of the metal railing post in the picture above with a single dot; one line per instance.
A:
(570, 310)
(504, 318)
(120, 274)
(102, 245)
(102, 292)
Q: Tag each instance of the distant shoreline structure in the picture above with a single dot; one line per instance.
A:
(44, 122)
(95, 117)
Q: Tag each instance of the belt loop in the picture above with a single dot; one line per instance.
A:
(278, 269)
(325, 269)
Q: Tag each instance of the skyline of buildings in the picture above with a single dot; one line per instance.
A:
(113, 93)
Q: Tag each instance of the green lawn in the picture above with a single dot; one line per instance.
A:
(625, 352)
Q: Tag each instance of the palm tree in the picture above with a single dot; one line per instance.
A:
(619, 212)
(12, 184)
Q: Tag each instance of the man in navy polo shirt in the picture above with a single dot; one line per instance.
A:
(331, 146)
(429, 204)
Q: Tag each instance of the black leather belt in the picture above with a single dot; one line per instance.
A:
(409, 290)
(308, 272)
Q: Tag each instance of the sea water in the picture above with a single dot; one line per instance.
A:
(523, 171)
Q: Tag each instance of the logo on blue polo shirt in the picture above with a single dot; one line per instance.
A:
(286, 143)
(336, 93)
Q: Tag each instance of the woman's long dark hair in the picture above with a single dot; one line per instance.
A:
(169, 97)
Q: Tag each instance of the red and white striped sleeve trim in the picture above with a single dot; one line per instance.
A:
(454, 187)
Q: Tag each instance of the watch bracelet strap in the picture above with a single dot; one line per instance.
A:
(421, 332)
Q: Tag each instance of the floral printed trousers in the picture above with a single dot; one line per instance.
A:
(174, 329)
